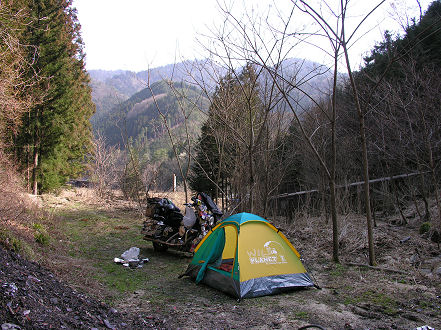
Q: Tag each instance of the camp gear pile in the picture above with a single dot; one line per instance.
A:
(167, 228)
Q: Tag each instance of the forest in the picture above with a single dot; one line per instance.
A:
(256, 129)
(46, 100)
(264, 151)
(271, 136)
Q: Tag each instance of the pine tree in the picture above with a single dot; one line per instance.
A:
(421, 43)
(212, 167)
(56, 133)
(231, 138)
(205, 169)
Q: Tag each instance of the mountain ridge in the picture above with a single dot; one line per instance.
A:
(140, 118)
(111, 87)
(124, 98)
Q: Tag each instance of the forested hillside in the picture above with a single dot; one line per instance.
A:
(47, 103)
(110, 88)
(129, 82)
(139, 120)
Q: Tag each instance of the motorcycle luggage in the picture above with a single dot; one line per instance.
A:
(210, 204)
(173, 219)
(189, 218)
(171, 229)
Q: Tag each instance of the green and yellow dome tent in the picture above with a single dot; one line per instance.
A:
(246, 256)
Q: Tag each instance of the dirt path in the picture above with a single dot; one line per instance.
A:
(33, 298)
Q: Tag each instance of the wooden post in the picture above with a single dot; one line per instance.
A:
(359, 210)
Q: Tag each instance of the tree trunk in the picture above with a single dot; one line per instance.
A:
(34, 172)
(250, 155)
(435, 183)
(374, 217)
(372, 261)
(397, 200)
(334, 222)
(28, 168)
(265, 197)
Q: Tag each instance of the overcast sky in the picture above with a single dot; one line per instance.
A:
(138, 34)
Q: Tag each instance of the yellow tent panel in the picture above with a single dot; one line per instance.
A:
(246, 256)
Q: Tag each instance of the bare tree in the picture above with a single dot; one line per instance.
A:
(341, 39)
(186, 107)
(410, 124)
(245, 127)
(253, 132)
(270, 56)
(257, 40)
(104, 166)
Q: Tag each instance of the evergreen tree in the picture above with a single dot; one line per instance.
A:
(56, 133)
(421, 43)
(214, 152)
(231, 138)
(204, 169)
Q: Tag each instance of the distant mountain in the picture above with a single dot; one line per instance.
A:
(103, 75)
(105, 98)
(124, 104)
(138, 118)
(110, 88)
(310, 78)
(129, 82)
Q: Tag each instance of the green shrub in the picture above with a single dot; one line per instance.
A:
(42, 238)
(131, 185)
(425, 227)
(9, 241)
(41, 235)
(38, 227)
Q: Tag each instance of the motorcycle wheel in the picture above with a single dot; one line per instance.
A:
(158, 247)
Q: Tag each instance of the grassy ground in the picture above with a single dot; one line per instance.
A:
(85, 236)
(92, 238)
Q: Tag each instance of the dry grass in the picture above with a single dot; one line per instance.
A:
(90, 232)
(17, 210)
(395, 246)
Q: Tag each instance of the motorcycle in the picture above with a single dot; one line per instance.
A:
(167, 227)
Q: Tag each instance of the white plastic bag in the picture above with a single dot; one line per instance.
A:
(131, 254)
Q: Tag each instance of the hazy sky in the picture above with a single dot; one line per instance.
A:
(133, 34)
(137, 34)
